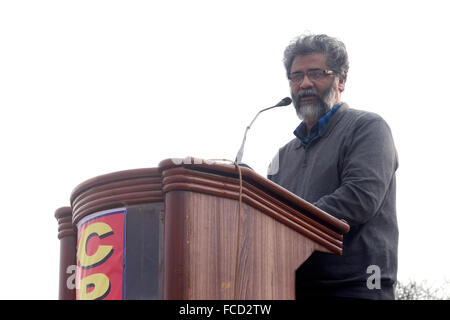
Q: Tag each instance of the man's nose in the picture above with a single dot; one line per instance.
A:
(306, 83)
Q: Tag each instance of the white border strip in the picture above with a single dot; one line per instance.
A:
(98, 214)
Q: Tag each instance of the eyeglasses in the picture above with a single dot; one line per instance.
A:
(312, 74)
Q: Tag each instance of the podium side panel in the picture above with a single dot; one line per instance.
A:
(144, 252)
(200, 239)
(270, 253)
(213, 236)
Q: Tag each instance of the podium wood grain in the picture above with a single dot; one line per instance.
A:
(201, 258)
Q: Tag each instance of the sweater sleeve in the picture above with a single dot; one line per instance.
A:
(368, 165)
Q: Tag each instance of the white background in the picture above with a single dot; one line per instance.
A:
(93, 87)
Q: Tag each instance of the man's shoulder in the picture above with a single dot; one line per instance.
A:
(293, 144)
(364, 122)
(361, 115)
(352, 119)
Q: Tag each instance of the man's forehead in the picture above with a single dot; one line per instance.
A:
(314, 60)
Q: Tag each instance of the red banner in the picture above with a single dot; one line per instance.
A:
(100, 256)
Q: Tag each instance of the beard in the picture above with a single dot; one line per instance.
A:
(312, 111)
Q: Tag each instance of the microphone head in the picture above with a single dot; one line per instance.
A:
(285, 102)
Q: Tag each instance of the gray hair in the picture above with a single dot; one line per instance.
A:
(333, 49)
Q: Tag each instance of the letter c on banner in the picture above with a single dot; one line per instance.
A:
(102, 230)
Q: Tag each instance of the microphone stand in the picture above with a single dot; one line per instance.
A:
(285, 102)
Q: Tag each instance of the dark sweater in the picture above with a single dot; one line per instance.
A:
(349, 172)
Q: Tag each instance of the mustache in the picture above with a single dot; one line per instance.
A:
(306, 93)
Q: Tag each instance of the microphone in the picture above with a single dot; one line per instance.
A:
(284, 102)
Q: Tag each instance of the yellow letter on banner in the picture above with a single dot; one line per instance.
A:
(101, 285)
(101, 230)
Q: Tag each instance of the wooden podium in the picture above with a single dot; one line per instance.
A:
(189, 229)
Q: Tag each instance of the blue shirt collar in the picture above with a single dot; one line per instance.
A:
(317, 129)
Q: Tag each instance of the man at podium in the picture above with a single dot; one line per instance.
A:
(342, 160)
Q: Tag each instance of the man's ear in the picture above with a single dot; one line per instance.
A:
(341, 84)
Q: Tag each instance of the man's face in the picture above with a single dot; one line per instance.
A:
(313, 98)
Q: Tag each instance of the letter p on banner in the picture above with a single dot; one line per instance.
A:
(100, 256)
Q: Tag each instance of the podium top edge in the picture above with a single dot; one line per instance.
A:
(115, 176)
(230, 167)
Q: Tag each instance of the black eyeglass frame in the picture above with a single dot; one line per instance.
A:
(315, 74)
